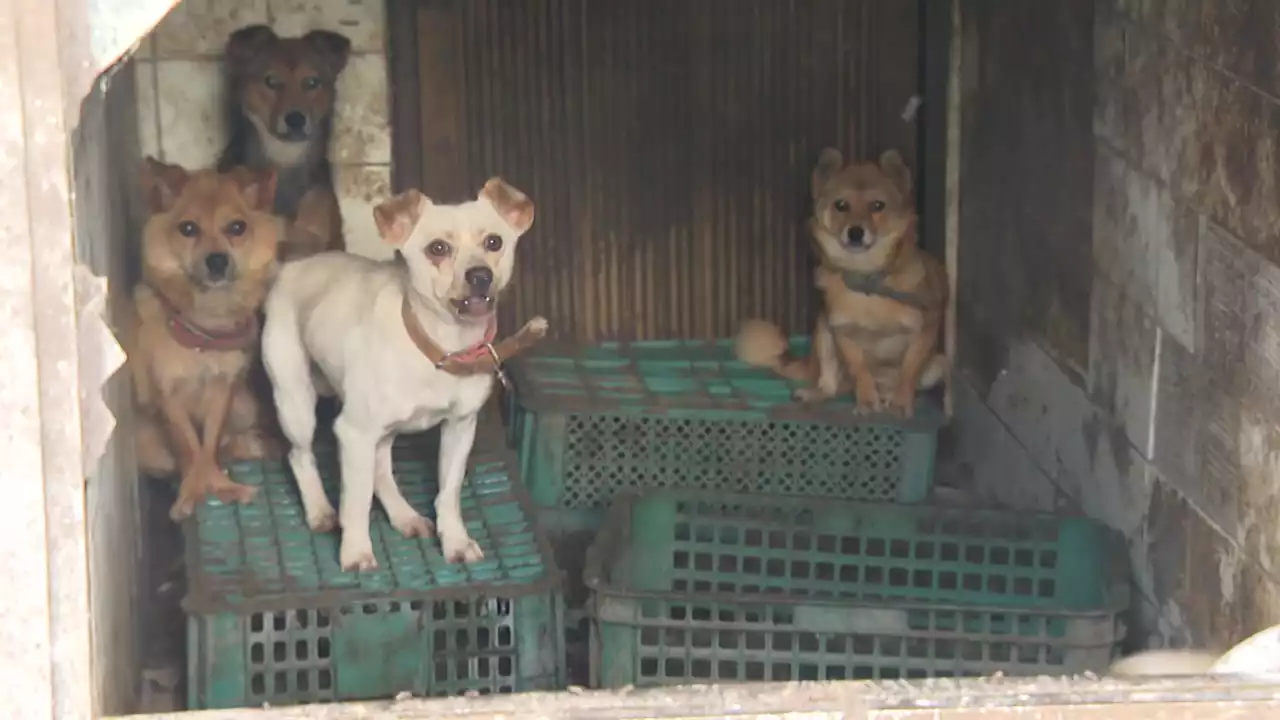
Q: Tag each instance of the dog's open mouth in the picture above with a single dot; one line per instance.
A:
(474, 306)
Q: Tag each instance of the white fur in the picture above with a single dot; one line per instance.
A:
(1257, 655)
(284, 153)
(343, 313)
(1164, 663)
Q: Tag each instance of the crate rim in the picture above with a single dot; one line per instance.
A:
(928, 416)
(200, 601)
(617, 529)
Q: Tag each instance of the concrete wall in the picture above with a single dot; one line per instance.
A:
(180, 105)
(106, 208)
(1120, 292)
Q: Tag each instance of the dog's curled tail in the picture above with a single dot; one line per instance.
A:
(762, 344)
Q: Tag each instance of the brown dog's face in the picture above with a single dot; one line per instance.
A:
(462, 256)
(285, 86)
(860, 211)
(215, 229)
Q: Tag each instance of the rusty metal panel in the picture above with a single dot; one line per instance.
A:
(667, 144)
(1026, 180)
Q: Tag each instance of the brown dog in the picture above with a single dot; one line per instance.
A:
(281, 98)
(208, 256)
(884, 297)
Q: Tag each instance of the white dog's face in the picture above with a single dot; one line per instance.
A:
(461, 256)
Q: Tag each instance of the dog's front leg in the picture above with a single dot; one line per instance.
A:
(357, 448)
(201, 474)
(403, 517)
(864, 384)
(919, 353)
(456, 438)
(825, 361)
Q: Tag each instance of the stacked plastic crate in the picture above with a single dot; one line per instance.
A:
(738, 535)
(273, 619)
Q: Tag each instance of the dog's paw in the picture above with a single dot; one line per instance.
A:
(538, 326)
(862, 409)
(460, 549)
(184, 506)
(808, 395)
(903, 404)
(413, 526)
(357, 555)
(323, 520)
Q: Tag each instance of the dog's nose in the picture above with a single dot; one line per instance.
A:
(295, 121)
(479, 278)
(855, 235)
(217, 264)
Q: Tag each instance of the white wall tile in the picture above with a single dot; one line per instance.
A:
(362, 21)
(362, 132)
(198, 28)
(189, 94)
(148, 112)
(359, 188)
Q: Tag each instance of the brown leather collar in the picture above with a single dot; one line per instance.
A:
(188, 334)
(482, 358)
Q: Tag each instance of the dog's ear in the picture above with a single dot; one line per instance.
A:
(247, 42)
(397, 216)
(829, 163)
(258, 187)
(334, 47)
(162, 183)
(514, 206)
(892, 164)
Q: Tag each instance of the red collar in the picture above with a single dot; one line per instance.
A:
(480, 349)
(191, 335)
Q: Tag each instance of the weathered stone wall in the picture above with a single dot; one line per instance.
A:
(1120, 293)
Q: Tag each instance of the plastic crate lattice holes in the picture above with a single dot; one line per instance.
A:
(594, 421)
(694, 587)
(273, 618)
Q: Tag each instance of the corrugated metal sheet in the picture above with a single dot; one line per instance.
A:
(667, 144)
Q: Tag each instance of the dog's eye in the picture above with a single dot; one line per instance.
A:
(236, 228)
(438, 248)
(272, 82)
(188, 229)
(841, 205)
(877, 205)
(310, 83)
(493, 243)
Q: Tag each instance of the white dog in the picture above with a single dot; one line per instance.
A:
(1258, 654)
(406, 346)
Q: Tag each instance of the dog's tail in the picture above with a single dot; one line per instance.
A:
(763, 344)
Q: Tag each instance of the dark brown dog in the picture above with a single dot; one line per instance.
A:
(884, 297)
(281, 98)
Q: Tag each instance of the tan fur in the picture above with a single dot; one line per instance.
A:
(270, 77)
(887, 348)
(194, 407)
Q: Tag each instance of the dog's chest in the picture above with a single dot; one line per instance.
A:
(881, 327)
(189, 375)
(441, 398)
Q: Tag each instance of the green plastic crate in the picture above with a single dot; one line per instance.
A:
(697, 587)
(592, 421)
(273, 619)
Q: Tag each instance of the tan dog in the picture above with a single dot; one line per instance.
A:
(208, 256)
(884, 297)
(281, 94)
